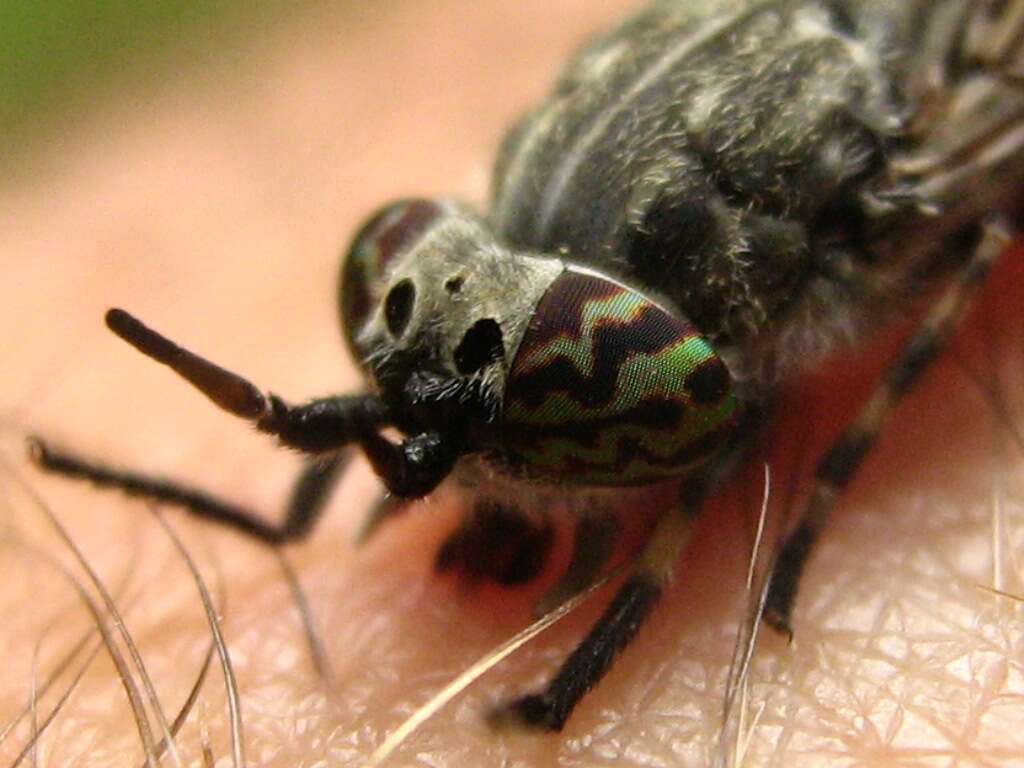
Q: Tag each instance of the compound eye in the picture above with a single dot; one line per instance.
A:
(609, 388)
(388, 234)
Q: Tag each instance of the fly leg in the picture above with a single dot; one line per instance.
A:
(618, 625)
(384, 508)
(308, 499)
(593, 544)
(841, 461)
(498, 542)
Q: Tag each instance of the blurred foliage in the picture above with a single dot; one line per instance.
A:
(56, 56)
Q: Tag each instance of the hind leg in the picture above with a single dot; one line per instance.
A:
(841, 462)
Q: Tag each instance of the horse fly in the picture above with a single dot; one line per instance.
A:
(715, 196)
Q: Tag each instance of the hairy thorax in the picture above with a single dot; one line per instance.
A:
(747, 160)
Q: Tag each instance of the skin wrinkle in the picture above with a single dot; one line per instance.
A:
(183, 210)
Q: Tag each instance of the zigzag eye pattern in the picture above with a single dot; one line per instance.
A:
(609, 388)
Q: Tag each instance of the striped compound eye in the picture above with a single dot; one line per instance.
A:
(607, 388)
(388, 234)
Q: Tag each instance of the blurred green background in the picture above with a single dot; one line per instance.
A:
(58, 57)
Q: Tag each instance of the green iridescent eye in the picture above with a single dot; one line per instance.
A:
(607, 387)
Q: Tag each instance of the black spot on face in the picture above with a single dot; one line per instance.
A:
(398, 306)
(709, 383)
(481, 346)
(453, 284)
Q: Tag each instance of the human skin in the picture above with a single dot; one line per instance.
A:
(216, 208)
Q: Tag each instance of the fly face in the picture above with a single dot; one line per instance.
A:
(562, 374)
(434, 307)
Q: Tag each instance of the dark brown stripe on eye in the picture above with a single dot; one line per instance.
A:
(562, 311)
(630, 449)
(614, 343)
(709, 383)
(656, 413)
